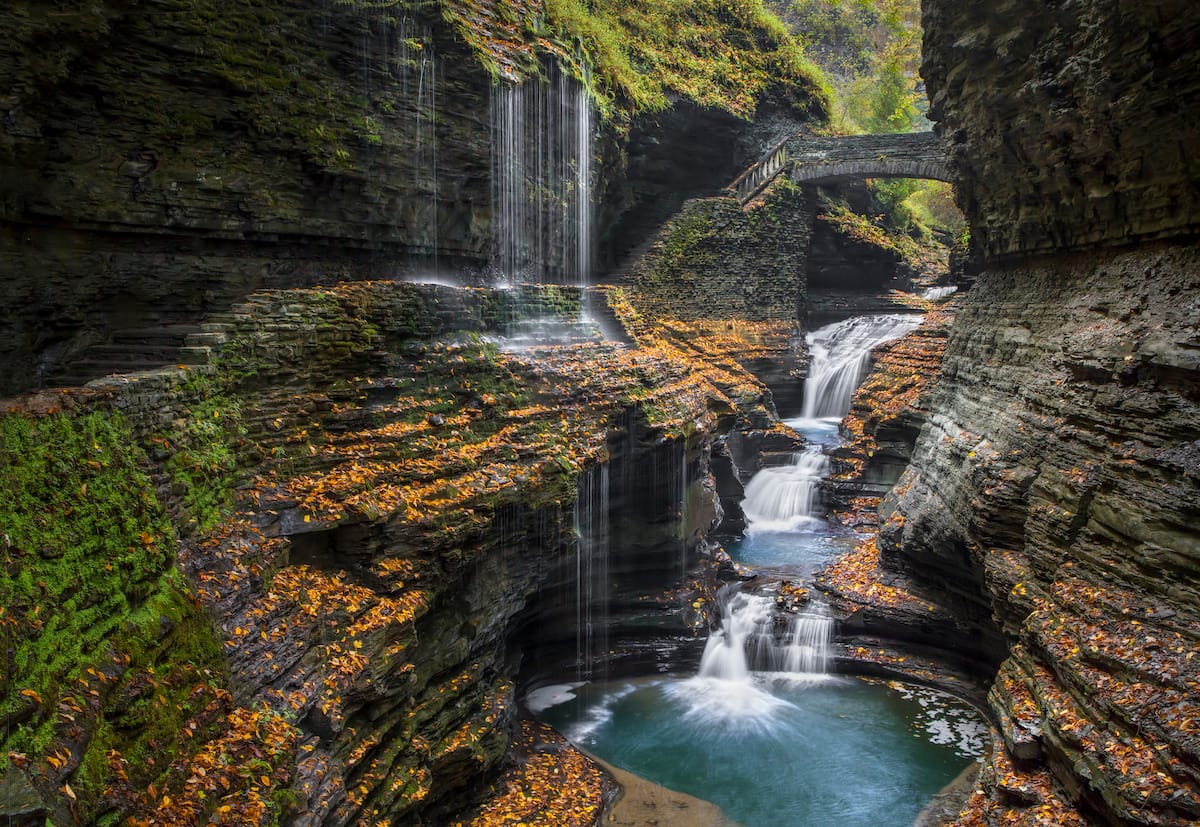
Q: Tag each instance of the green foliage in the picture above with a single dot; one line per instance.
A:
(871, 49)
(202, 457)
(866, 231)
(721, 53)
(88, 585)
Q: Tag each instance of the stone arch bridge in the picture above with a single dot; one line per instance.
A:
(823, 160)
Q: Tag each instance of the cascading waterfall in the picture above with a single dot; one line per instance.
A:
(934, 294)
(591, 572)
(753, 637)
(542, 136)
(784, 497)
(841, 356)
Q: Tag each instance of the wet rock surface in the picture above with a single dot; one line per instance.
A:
(1055, 488)
(1068, 125)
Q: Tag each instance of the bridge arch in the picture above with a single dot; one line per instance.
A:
(823, 160)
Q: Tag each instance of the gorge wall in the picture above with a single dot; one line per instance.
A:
(161, 160)
(1056, 486)
(370, 504)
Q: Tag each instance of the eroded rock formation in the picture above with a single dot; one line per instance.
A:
(1055, 487)
(383, 516)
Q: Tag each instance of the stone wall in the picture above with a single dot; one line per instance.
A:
(719, 259)
(1069, 124)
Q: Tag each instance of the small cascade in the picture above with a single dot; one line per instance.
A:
(542, 134)
(591, 572)
(841, 356)
(934, 294)
(753, 637)
(809, 638)
(784, 498)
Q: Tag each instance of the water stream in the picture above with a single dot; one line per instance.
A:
(542, 134)
(762, 729)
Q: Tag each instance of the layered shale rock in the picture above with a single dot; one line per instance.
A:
(377, 509)
(1068, 124)
(1056, 487)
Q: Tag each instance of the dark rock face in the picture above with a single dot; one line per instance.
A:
(1069, 124)
(720, 259)
(1056, 487)
(160, 162)
(180, 157)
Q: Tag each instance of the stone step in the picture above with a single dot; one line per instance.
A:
(195, 355)
(209, 339)
(161, 334)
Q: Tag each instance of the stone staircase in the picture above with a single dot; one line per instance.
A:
(145, 348)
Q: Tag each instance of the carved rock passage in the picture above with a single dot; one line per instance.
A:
(1061, 469)
(1069, 124)
(826, 160)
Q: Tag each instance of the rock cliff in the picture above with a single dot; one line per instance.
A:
(1069, 124)
(1055, 487)
(161, 160)
(374, 507)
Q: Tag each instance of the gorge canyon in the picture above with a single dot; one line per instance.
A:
(395, 388)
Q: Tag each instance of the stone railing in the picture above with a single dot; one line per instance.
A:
(817, 160)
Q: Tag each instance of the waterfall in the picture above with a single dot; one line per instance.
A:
(784, 498)
(841, 355)
(934, 294)
(417, 68)
(681, 491)
(754, 637)
(591, 572)
(542, 136)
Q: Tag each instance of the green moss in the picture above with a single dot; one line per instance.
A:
(716, 53)
(202, 457)
(91, 601)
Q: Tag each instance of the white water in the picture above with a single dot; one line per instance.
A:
(753, 637)
(418, 67)
(784, 498)
(591, 572)
(841, 355)
(937, 293)
(542, 136)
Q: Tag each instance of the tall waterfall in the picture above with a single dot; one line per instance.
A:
(415, 64)
(542, 136)
(754, 637)
(841, 355)
(591, 571)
